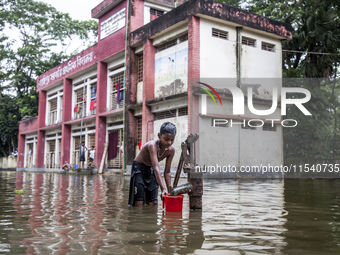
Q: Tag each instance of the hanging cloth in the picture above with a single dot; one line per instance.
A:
(139, 145)
(93, 92)
(92, 105)
(113, 142)
(75, 108)
(118, 91)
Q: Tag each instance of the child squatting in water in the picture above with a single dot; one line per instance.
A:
(145, 173)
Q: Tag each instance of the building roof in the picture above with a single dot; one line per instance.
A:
(107, 5)
(215, 10)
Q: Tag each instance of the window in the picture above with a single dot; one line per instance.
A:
(165, 114)
(52, 115)
(183, 111)
(139, 68)
(173, 42)
(93, 88)
(50, 154)
(117, 91)
(248, 41)
(268, 46)
(79, 111)
(183, 38)
(156, 12)
(268, 127)
(90, 141)
(220, 33)
(139, 129)
(167, 45)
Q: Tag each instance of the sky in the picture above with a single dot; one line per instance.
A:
(78, 9)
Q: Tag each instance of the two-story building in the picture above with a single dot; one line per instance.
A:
(145, 70)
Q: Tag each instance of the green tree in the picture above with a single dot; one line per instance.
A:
(312, 53)
(28, 32)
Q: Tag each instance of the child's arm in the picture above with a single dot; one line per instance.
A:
(167, 172)
(154, 160)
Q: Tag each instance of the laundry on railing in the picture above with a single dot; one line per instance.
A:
(92, 105)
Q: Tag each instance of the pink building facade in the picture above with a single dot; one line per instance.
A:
(139, 74)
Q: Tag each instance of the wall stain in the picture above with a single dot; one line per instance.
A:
(173, 88)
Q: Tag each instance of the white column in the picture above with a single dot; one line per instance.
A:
(58, 107)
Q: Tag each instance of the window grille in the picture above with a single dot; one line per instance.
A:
(183, 38)
(53, 103)
(75, 151)
(165, 114)
(93, 89)
(268, 46)
(167, 45)
(52, 115)
(183, 111)
(156, 12)
(79, 103)
(50, 155)
(140, 68)
(139, 129)
(248, 41)
(220, 33)
(115, 80)
(269, 127)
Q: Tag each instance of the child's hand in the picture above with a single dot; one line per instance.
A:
(164, 193)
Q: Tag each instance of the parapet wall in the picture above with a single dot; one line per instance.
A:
(8, 162)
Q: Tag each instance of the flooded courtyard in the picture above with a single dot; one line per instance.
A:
(88, 214)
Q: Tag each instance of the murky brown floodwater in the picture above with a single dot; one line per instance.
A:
(88, 214)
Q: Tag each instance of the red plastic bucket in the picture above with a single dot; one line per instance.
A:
(173, 203)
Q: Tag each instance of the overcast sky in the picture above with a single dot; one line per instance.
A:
(78, 9)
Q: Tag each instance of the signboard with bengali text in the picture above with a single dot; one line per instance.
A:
(112, 24)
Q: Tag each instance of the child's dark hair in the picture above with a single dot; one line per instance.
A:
(168, 128)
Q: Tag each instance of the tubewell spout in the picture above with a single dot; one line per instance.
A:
(184, 188)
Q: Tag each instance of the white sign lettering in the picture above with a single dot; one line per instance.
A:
(112, 24)
(68, 67)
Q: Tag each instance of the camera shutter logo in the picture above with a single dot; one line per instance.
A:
(213, 90)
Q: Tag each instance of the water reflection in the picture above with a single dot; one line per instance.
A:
(313, 222)
(244, 216)
(88, 214)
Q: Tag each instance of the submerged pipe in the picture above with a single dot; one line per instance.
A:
(184, 188)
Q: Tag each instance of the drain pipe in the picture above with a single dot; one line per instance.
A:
(238, 66)
(238, 54)
(124, 93)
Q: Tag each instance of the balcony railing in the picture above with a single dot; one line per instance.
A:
(114, 100)
(81, 112)
(50, 160)
(52, 118)
(93, 106)
(75, 157)
(29, 161)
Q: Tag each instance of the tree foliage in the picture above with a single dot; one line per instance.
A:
(28, 32)
(313, 53)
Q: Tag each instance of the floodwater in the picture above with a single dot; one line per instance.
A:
(88, 214)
